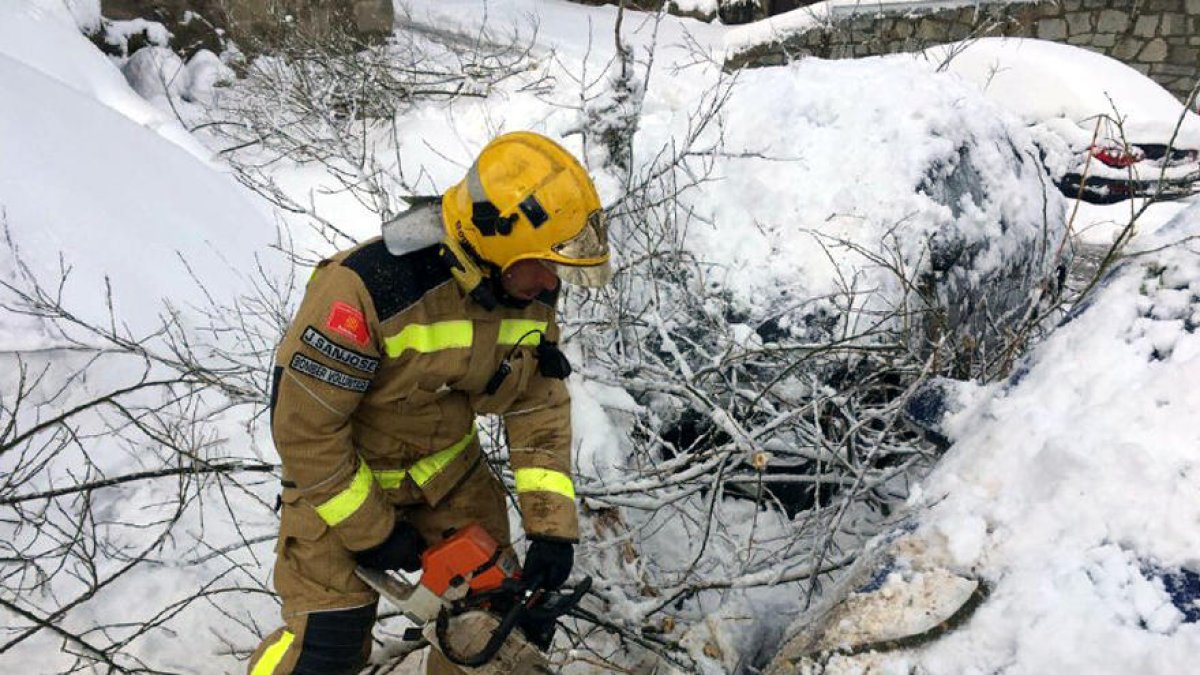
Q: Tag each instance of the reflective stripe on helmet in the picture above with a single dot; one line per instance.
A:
(514, 331)
(431, 337)
(273, 655)
(426, 468)
(475, 185)
(544, 480)
(343, 505)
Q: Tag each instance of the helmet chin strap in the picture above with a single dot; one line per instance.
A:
(468, 272)
(480, 279)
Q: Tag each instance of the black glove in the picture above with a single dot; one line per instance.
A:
(548, 562)
(400, 551)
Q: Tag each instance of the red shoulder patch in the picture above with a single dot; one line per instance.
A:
(349, 322)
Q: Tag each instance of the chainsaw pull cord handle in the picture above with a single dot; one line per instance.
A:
(499, 635)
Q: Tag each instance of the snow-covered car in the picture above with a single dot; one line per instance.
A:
(940, 243)
(1107, 132)
(951, 196)
(1059, 528)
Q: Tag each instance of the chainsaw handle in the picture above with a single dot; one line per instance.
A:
(556, 604)
(538, 604)
(493, 645)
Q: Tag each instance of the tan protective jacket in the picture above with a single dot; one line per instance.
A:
(378, 382)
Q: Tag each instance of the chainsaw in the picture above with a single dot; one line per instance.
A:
(470, 598)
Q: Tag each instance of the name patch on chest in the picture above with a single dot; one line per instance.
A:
(313, 338)
(337, 378)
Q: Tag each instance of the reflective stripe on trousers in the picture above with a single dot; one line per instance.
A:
(273, 655)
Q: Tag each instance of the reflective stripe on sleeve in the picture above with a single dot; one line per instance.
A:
(431, 337)
(343, 505)
(513, 330)
(544, 480)
(273, 655)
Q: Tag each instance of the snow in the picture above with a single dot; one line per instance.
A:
(1063, 487)
(97, 181)
(1069, 93)
(142, 228)
(574, 31)
(156, 72)
(821, 154)
(776, 28)
(703, 7)
(1101, 224)
(1040, 80)
(42, 34)
(595, 413)
(1083, 468)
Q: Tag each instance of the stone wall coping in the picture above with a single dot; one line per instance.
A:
(801, 20)
(843, 8)
(777, 28)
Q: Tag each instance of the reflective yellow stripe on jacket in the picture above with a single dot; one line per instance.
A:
(426, 468)
(544, 480)
(513, 331)
(273, 655)
(343, 505)
(431, 337)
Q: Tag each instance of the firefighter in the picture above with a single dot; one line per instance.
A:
(397, 345)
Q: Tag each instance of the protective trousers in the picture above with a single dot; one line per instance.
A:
(328, 611)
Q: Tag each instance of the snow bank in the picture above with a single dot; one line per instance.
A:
(1083, 470)
(114, 200)
(97, 184)
(1041, 80)
(43, 35)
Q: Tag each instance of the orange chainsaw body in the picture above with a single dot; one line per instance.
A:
(468, 556)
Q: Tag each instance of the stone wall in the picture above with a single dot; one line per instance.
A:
(1160, 38)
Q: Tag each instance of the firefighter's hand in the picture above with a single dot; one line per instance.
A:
(400, 551)
(548, 562)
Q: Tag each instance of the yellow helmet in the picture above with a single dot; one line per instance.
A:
(527, 197)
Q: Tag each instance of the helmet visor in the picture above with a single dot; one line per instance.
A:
(590, 276)
(590, 246)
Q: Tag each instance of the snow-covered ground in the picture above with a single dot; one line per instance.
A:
(115, 211)
(1063, 487)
